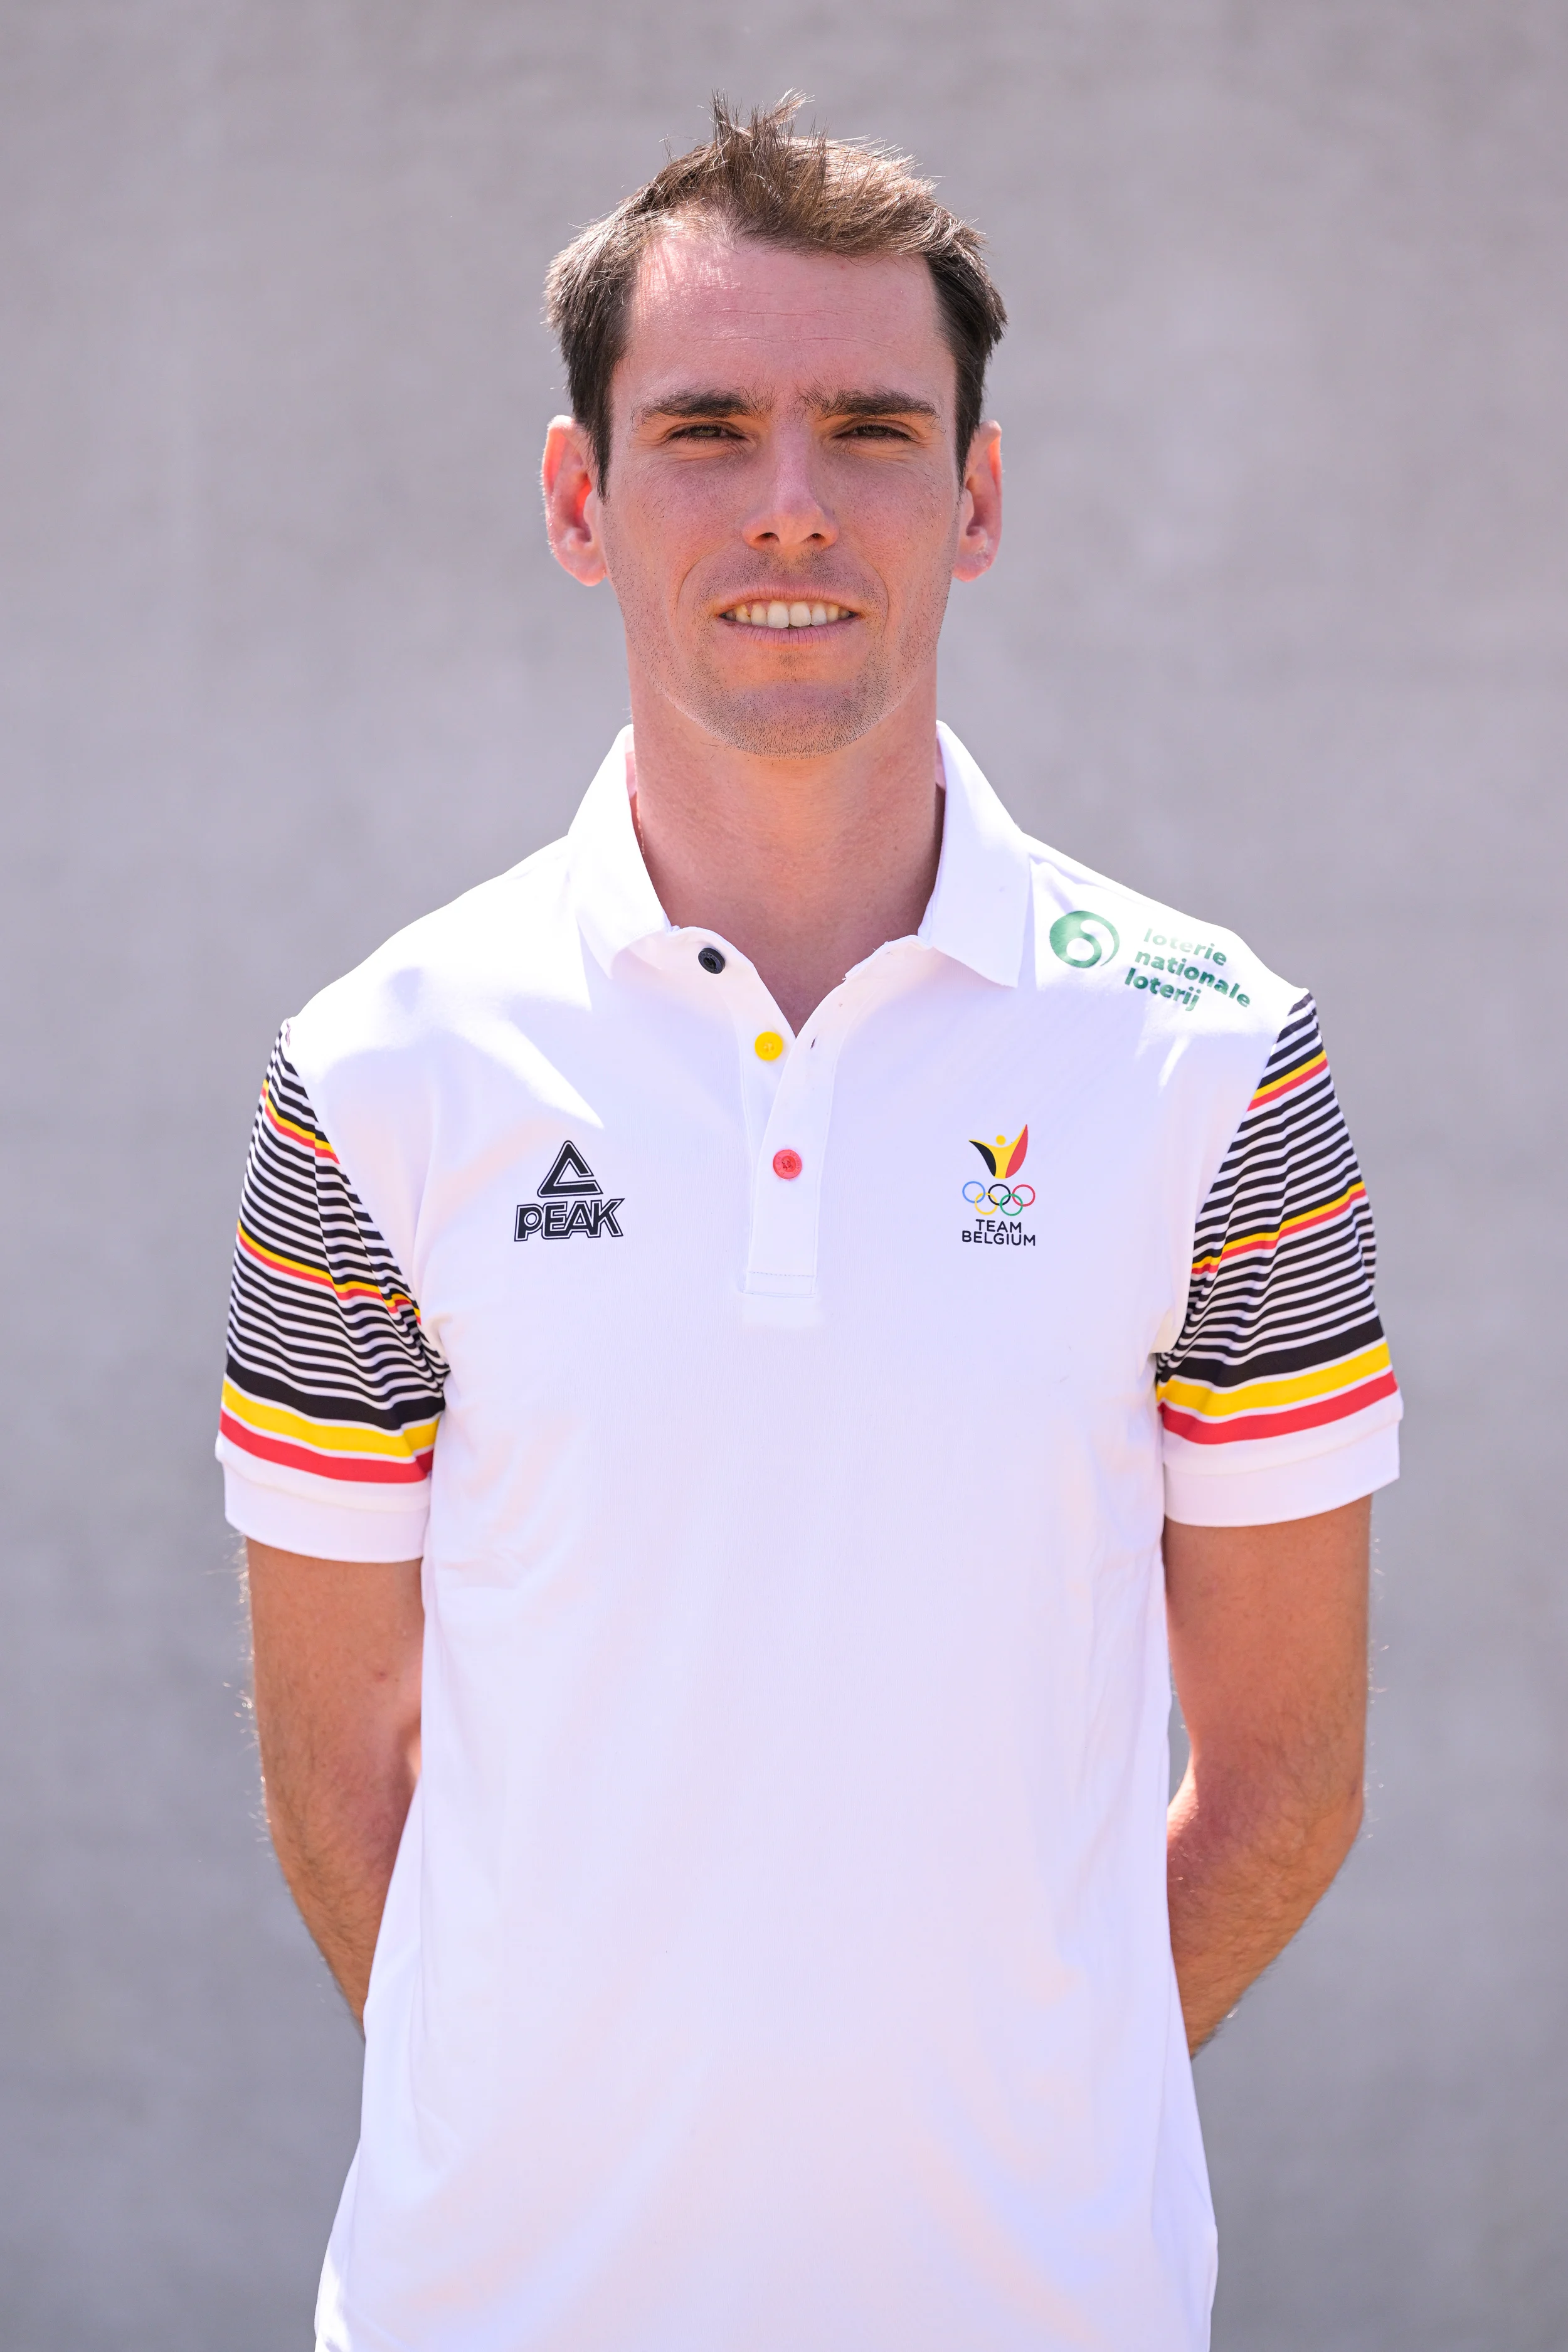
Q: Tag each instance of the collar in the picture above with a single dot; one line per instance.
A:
(977, 911)
(980, 907)
(611, 892)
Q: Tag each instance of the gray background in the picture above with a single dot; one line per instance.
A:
(1278, 633)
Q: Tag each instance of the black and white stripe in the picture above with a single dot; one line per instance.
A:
(1307, 1300)
(340, 1340)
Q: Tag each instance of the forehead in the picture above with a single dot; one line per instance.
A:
(743, 312)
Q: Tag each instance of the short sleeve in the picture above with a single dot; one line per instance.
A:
(333, 1391)
(1278, 1399)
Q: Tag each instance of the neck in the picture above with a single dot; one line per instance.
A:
(806, 865)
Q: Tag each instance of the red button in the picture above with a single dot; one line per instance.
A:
(786, 1163)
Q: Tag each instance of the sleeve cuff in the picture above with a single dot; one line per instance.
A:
(1265, 1493)
(321, 1527)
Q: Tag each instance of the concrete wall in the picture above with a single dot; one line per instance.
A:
(1279, 632)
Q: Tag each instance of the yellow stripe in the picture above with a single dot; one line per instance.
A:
(319, 1278)
(1296, 1388)
(1324, 1215)
(314, 1144)
(328, 1436)
(1290, 1079)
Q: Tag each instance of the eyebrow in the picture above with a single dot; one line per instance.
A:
(878, 400)
(882, 400)
(701, 403)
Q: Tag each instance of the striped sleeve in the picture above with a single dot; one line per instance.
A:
(1278, 1399)
(333, 1391)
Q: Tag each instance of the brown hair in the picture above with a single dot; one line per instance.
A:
(813, 195)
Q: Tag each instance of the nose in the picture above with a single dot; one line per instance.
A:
(789, 514)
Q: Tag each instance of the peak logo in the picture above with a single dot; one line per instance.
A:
(571, 1201)
(997, 1208)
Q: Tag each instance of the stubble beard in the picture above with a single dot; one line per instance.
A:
(786, 723)
(788, 720)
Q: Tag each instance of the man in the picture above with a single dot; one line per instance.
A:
(746, 1331)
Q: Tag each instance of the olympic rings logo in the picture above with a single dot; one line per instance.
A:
(990, 1199)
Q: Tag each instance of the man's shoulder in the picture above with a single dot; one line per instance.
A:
(1149, 972)
(447, 975)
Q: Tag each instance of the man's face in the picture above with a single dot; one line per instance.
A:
(782, 450)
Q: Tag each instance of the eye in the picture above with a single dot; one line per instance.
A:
(868, 429)
(705, 431)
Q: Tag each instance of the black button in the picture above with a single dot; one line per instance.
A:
(711, 959)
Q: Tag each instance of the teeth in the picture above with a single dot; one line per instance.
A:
(779, 615)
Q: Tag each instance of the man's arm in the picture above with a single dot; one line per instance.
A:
(336, 1648)
(1268, 1646)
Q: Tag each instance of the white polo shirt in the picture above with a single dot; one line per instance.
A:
(777, 1954)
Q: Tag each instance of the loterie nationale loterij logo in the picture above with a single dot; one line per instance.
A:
(1083, 939)
(571, 1201)
(997, 1206)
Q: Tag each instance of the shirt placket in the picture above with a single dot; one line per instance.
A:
(789, 1084)
(790, 1159)
(786, 1091)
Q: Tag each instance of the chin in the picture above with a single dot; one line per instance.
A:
(779, 723)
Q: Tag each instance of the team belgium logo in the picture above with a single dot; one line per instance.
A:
(571, 1201)
(998, 1206)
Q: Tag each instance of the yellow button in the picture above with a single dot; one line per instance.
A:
(770, 1045)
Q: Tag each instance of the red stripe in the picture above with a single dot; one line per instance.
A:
(300, 1457)
(290, 1131)
(1277, 1088)
(1278, 1234)
(1201, 1432)
(291, 1270)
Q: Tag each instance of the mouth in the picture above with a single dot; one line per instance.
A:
(774, 613)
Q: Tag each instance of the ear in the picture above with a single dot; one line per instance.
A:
(980, 506)
(572, 501)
